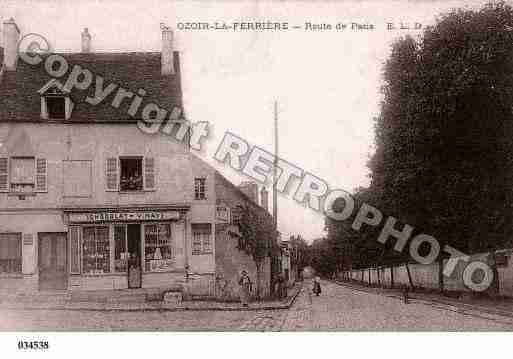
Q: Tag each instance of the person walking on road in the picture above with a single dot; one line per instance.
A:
(245, 288)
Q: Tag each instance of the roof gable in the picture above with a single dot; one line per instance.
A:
(53, 87)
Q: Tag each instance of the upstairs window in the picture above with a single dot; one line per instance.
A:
(55, 101)
(200, 188)
(23, 172)
(56, 107)
(131, 174)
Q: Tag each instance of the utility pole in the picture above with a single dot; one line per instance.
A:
(275, 167)
(275, 265)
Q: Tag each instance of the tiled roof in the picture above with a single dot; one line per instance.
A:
(20, 100)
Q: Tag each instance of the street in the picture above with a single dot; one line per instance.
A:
(337, 308)
(341, 308)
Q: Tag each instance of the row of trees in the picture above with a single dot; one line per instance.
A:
(443, 159)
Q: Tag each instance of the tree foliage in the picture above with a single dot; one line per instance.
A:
(444, 139)
(299, 255)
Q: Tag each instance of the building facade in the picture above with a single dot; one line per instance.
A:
(89, 201)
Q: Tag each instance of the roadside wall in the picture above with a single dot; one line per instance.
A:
(427, 276)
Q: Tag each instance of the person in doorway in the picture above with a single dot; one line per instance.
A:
(245, 288)
(317, 286)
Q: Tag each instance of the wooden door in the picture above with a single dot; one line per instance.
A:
(53, 269)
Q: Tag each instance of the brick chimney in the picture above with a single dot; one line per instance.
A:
(264, 198)
(11, 38)
(86, 40)
(167, 58)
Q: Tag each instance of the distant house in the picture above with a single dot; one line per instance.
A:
(88, 201)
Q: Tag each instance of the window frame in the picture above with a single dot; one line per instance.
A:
(20, 241)
(68, 106)
(10, 174)
(205, 249)
(54, 98)
(139, 158)
(145, 166)
(170, 245)
(39, 177)
(200, 195)
(109, 235)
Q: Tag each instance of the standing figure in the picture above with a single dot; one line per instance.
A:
(245, 288)
(282, 287)
(317, 286)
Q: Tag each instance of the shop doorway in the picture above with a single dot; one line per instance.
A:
(134, 255)
(53, 269)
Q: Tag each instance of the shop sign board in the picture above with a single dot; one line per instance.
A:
(92, 217)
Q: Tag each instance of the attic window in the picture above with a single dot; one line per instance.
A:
(55, 101)
(56, 107)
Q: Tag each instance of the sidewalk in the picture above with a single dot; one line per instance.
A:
(466, 304)
(62, 301)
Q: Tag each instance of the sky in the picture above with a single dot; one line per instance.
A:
(327, 82)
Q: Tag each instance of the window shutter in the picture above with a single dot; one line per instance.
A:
(150, 177)
(74, 248)
(111, 174)
(4, 174)
(41, 175)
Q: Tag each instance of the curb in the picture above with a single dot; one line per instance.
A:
(161, 308)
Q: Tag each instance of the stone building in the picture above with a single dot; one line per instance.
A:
(89, 201)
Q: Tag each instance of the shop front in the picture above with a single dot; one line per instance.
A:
(110, 249)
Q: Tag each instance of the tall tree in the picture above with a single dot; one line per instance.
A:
(444, 138)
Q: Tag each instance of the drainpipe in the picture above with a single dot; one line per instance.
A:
(186, 248)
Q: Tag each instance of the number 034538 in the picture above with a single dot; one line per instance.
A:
(33, 345)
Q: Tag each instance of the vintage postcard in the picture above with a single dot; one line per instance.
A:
(254, 166)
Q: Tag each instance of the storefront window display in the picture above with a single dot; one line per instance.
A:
(95, 250)
(158, 247)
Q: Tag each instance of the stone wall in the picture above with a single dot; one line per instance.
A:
(230, 260)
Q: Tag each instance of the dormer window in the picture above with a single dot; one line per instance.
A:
(56, 107)
(55, 102)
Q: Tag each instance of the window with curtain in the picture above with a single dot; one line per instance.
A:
(10, 252)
